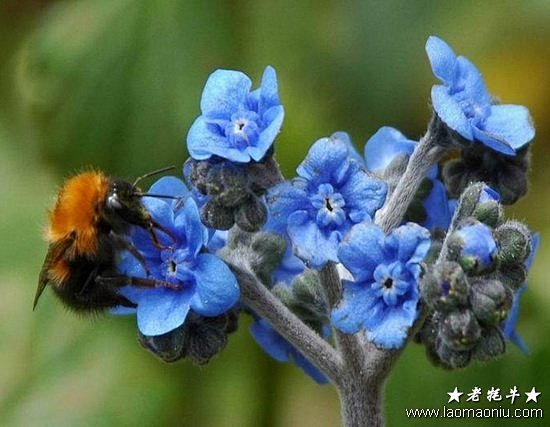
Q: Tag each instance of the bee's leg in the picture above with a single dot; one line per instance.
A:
(151, 230)
(138, 282)
(90, 292)
(122, 244)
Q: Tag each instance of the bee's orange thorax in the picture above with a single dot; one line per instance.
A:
(77, 211)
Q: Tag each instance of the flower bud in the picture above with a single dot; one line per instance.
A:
(451, 358)
(268, 250)
(514, 241)
(474, 247)
(444, 286)
(199, 338)
(251, 215)
(488, 210)
(169, 347)
(227, 183)
(513, 275)
(469, 199)
(216, 216)
(263, 175)
(459, 330)
(490, 345)
(491, 301)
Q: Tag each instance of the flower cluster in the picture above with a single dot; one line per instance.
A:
(191, 280)
(448, 269)
(471, 291)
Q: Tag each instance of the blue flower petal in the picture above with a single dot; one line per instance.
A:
(392, 331)
(274, 116)
(363, 193)
(512, 123)
(283, 199)
(343, 138)
(224, 93)
(162, 310)
(357, 305)
(438, 214)
(169, 186)
(450, 111)
(281, 350)
(204, 140)
(269, 91)
(189, 226)
(493, 141)
(413, 242)
(216, 289)
(386, 144)
(362, 250)
(270, 341)
(325, 161)
(509, 326)
(312, 244)
(442, 59)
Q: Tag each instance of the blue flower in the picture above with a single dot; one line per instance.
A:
(509, 325)
(478, 247)
(386, 145)
(465, 105)
(384, 296)
(236, 124)
(332, 193)
(281, 350)
(207, 285)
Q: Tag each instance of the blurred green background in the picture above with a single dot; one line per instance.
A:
(116, 84)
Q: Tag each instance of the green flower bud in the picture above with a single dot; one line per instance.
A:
(444, 286)
(491, 301)
(490, 213)
(460, 330)
(514, 241)
(450, 357)
(512, 275)
(490, 345)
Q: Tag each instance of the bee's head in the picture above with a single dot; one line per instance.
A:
(123, 206)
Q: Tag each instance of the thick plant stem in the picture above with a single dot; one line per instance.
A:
(427, 153)
(256, 296)
(365, 367)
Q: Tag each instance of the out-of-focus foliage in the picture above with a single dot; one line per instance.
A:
(116, 84)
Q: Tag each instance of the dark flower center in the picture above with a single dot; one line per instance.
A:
(172, 267)
(388, 283)
(328, 205)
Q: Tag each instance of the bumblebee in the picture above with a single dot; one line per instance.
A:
(87, 227)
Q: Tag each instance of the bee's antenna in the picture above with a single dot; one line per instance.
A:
(158, 196)
(147, 175)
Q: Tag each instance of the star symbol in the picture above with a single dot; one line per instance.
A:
(454, 395)
(532, 395)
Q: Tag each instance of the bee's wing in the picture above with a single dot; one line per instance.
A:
(56, 251)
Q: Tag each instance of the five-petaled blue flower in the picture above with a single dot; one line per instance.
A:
(207, 285)
(383, 297)
(388, 144)
(236, 124)
(281, 350)
(332, 193)
(465, 105)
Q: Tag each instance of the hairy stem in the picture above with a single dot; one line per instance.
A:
(427, 153)
(255, 295)
(365, 366)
